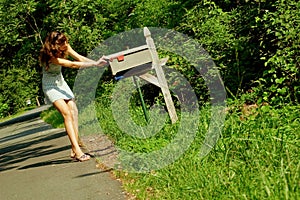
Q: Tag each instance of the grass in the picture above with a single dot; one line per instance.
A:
(257, 157)
(53, 117)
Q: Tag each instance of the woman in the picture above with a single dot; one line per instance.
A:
(53, 56)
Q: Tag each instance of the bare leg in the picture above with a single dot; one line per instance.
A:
(62, 106)
(74, 111)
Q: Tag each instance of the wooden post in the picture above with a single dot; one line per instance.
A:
(160, 76)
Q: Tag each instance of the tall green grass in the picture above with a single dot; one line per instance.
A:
(256, 157)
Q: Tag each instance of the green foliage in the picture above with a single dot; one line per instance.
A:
(252, 155)
(152, 13)
(244, 39)
(82, 21)
(16, 90)
(20, 80)
(211, 26)
(4, 108)
(253, 43)
(280, 81)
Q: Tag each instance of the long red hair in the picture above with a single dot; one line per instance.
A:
(51, 49)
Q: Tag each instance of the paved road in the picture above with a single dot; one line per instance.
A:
(35, 165)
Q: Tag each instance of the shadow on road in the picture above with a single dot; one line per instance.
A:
(30, 141)
(29, 129)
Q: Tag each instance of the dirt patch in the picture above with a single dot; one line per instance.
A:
(103, 149)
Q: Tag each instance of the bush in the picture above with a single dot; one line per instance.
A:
(18, 86)
(253, 43)
(280, 82)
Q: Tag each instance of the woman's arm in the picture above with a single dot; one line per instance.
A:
(81, 61)
(79, 64)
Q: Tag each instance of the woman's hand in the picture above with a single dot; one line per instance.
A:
(102, 61)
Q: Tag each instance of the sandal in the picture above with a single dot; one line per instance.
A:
(82, 158)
